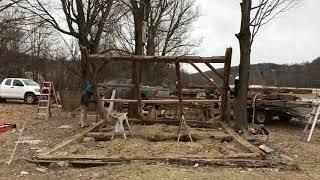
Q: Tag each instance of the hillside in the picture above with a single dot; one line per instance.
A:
(297, 75)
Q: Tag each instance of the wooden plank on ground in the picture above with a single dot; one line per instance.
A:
(142, 158)
(73, 138)
(243, 142)
(191, 123)
(231, 163)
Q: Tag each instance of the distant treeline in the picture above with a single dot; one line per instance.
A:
(66, 72)
(304, 75)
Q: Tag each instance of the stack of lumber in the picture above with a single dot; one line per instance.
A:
(274, 96)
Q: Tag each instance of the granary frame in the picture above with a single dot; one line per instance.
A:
(223, 87)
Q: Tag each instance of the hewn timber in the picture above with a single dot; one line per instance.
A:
(251, 148)
(115, 85)
(74, 138)
(142, 158)
(215, 70)
(211, 82)
(179, 88)
(281, 103)
(166, 59)
(231, 163)
(193, 86)
(106, 136)
(162, 101)
(191, 123)
(225, 111)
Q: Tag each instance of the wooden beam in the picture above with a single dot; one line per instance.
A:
(162, 101)
(191, 123)
(166, 59)
(74, 138)
(225, 114)
(214, 70)
(206, 77)
(191, 86)
(251, 148)
(143, 158)
(231, 163)
(179, 88)
(115, 85)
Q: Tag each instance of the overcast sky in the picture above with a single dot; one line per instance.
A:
(291, 38)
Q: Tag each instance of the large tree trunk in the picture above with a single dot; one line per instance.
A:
(244, 67)
(89, 76)
(138, 12)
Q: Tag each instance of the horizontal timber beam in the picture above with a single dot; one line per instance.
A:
(161, 101)
(167, 59)
(115, 85)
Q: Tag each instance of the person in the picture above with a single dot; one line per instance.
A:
(236, 86)
(84, 101)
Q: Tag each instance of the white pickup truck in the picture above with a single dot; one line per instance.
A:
(18, 88)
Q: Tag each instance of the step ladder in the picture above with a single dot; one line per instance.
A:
(49, 99)
(312, 121)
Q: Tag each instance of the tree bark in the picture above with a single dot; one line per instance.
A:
(135, 110)
(244, 67)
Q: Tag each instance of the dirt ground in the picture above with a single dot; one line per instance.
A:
(40, 134)
(158, 141)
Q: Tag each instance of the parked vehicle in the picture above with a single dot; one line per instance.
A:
(147, 92)
(18, 88)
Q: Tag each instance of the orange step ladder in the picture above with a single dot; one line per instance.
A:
(49, 99)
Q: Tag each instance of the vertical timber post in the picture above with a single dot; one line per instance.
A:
(179, 88)
(137, 109)
(89, 75)
(225, 89)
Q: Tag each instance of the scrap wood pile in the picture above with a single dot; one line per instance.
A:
(277, 100)
(273, 96)
(271, 90)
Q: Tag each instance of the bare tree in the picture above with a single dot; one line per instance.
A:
(254, 15)
(168, 29)
(85, 20)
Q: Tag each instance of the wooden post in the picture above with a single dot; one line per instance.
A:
(226, 88)
(135, 110)
(211, 82)
(179, 88)
(89, 74)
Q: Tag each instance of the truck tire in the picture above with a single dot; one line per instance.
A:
(262, 117)
(143, 97)
(285, 117)
(2, 100)
(30, 98)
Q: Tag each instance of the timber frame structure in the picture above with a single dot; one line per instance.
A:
(221, 83)
(253, 157)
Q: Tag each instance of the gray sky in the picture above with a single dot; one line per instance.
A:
(291, 38)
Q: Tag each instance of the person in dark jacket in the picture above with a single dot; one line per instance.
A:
(84, 101)
(236, 86)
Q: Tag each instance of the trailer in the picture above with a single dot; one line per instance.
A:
(265, 111)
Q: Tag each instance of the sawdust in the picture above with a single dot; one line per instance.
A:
(140, 145)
